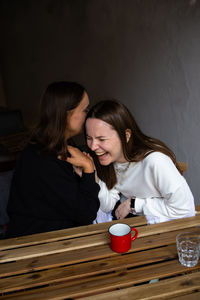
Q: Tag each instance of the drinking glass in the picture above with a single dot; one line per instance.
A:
(188, 247)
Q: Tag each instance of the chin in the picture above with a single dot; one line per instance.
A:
(105, 163)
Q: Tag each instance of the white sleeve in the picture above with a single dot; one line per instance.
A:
(107, 198)
(176, 199)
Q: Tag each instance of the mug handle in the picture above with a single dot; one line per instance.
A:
(135, 235)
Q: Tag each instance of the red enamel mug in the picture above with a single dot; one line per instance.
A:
(120, 237)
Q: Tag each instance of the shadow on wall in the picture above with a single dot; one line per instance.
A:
(11, 122)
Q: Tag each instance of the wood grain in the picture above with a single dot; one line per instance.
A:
(174, 288)
(65, 234)
(88, 269)
(91, 241)
(100, 284)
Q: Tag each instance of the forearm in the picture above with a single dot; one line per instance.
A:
(107, 198)
(171, 206)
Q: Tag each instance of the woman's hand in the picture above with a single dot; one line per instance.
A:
(80, 160)
(123, 209)
(79, 170)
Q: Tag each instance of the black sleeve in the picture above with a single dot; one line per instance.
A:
(72, 197)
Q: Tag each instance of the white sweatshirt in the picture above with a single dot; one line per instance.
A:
(161, 193)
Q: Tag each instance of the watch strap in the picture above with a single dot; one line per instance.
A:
(132, 206)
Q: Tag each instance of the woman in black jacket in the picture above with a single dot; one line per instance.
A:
(46, 193)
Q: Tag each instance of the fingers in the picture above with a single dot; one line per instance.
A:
(79, 159)
(71, 160)
(70, 148)
(88, 155)
(75, 153)
(123, 209)
(117, 214)
(73, 150)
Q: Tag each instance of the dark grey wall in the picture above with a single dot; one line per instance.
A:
(143, 52)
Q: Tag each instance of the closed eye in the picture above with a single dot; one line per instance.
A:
(100, 139)
(86, 110)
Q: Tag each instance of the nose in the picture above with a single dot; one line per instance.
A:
(93, 145)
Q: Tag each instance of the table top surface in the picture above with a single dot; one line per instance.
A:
(78, 263)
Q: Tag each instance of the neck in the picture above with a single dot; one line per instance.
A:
(121, 161)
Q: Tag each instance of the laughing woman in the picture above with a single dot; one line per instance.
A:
(46, 194)
(139, 170)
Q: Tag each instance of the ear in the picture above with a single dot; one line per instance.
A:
(128, 134)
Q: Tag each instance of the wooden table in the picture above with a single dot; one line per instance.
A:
(78, 263)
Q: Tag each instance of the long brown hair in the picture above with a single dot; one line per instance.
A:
(136, 149)
(58, 98)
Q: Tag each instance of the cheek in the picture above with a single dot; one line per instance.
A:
(81, 120)
(109, 146)
(89, 143)
(84, 116)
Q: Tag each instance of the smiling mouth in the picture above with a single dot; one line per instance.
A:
(100, 153)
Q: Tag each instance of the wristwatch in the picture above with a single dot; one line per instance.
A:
(132, 206)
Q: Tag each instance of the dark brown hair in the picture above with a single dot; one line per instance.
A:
(139, 145)
(58, 98)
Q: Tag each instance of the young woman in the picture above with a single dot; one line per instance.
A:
(140, 170)
(46, 193)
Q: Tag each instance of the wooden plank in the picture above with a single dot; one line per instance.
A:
(54, 260)
(54, 247)
(193, 296)
(183, 223)
(91, 268)
(197, 207)
(100, 284)
(71, 257)
(184, 287)
(95, 240)
(77, 256)
(80, 231)
(86, 231)
(64, 234)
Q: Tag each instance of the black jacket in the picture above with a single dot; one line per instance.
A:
(47, 195)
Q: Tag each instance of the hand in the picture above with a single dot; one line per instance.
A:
(79, 170)
(79, 159)
(123, 209)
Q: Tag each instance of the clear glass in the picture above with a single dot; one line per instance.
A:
(188, 247)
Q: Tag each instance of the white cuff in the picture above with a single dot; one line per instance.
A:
(139, 203)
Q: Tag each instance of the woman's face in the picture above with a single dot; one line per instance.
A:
(104, 141)
(76, 117)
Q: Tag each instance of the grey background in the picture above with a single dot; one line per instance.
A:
(146, 53)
